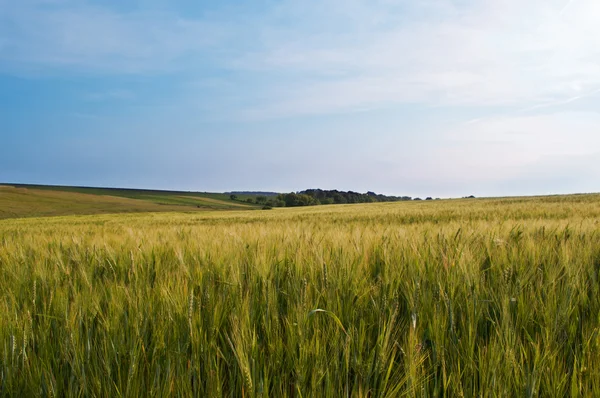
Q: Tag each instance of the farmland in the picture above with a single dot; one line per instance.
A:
(18, 201)
(474, 297)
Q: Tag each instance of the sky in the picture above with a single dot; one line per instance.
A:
(443, 98)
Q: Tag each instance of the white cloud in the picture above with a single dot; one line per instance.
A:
(299, 57)
(511, 148)
(78, 36)
(116, 94)
(509, 53)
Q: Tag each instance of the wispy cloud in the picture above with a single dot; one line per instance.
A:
(560, 102)
(566, 7)
(107, 95)
(506, 53)
(291, 58)
(78, 36)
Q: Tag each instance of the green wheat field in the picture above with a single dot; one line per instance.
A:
(473, 297)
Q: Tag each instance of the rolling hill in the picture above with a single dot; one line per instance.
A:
(18, 200)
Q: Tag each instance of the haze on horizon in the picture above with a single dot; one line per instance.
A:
(421, 98)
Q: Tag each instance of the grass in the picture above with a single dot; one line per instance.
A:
(494, 297)
(143, 194)
(46, 201)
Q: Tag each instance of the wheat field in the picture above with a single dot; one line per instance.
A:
(486, 297)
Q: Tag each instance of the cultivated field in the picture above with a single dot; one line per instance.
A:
(39, 201)
(444, 298)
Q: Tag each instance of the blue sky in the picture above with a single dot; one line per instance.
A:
(422, 98)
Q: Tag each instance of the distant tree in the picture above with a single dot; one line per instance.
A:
(233, 197)
(261, 199)
(417, 199)
(338, 198)
(321, 196)
(291, 199)
(306, 200)
(250, 200)
(429, 198)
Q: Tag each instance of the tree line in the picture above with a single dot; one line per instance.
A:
(314, 197)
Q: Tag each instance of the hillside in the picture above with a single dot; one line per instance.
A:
(38, 201)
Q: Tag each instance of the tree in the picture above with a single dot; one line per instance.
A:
(261, 199)
(338, 198)
(305, 200)
(291, 199)
(233, 197)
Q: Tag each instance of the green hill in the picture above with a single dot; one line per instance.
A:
(17, 200)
